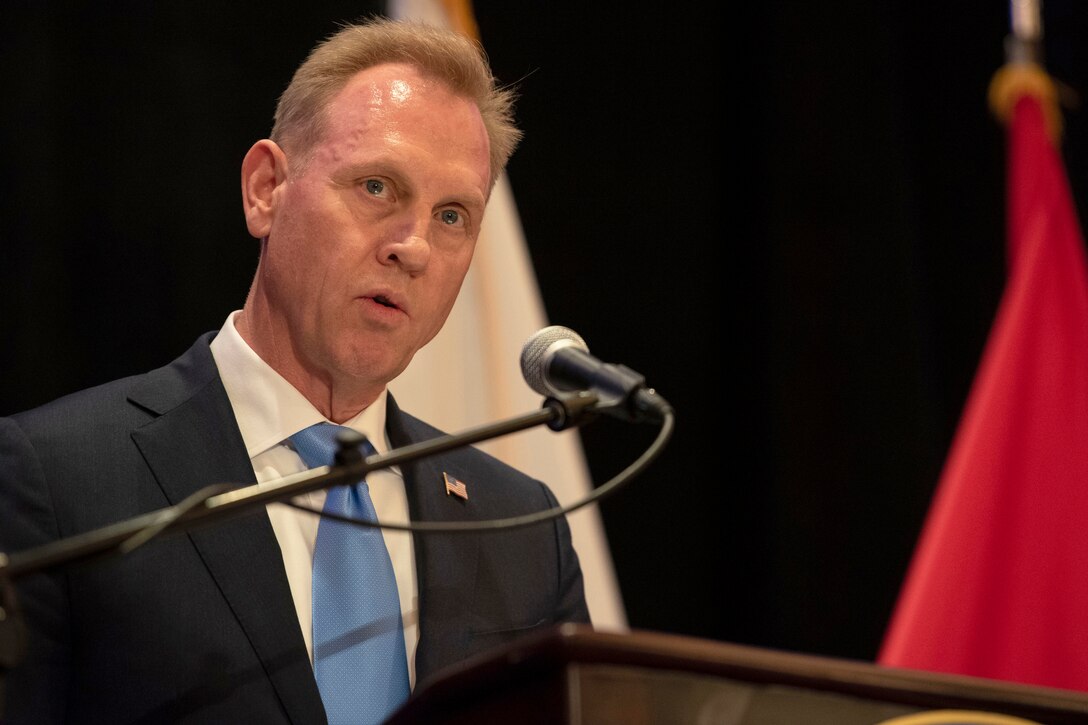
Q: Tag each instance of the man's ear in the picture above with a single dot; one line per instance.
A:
(264, 170)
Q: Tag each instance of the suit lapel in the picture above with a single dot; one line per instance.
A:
(446, 564)
(195, 442)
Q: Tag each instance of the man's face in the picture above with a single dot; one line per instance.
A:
(370, 240)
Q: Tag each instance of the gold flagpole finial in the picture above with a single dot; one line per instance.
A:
(1023, 72)
(462, 18)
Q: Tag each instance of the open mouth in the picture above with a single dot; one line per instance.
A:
(384, 301)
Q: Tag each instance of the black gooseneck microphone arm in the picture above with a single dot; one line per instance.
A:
(216, 502)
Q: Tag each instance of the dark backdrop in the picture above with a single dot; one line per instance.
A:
(813, 301)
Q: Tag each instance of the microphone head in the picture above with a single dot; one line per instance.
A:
(537, 353)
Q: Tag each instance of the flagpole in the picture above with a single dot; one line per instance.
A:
(1025, 43)
(1023, 72)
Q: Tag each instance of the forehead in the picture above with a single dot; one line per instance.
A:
(383, 92)
(395, 104)
(381, 85)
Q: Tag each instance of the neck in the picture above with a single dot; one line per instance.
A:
(338, 398)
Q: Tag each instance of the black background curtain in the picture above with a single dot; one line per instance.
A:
(799, 242)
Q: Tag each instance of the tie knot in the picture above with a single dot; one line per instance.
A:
(318, 444)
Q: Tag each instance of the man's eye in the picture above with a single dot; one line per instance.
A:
(449, 216)
(374, 186)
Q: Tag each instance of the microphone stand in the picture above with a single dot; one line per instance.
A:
(221, 501)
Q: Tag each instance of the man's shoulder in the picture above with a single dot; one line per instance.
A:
(405, 428)
(118, 401)
(506, 490)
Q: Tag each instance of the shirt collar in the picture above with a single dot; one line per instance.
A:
(267, 407)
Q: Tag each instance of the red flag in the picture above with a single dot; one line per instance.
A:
(998, 586)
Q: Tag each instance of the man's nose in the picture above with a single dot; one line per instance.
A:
(409, 246)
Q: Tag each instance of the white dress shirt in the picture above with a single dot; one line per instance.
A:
(269, 410)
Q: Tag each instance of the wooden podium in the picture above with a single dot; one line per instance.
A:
(573, 675)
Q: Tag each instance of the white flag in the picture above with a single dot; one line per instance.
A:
(470, 374)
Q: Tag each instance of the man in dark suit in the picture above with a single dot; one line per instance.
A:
(367, 200)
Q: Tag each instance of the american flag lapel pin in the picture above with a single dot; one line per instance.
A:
(454, 486)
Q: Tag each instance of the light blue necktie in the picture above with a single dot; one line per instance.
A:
(359, 658)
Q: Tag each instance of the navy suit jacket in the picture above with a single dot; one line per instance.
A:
(200, 626)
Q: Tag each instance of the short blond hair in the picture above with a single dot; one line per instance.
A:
(451, 58)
